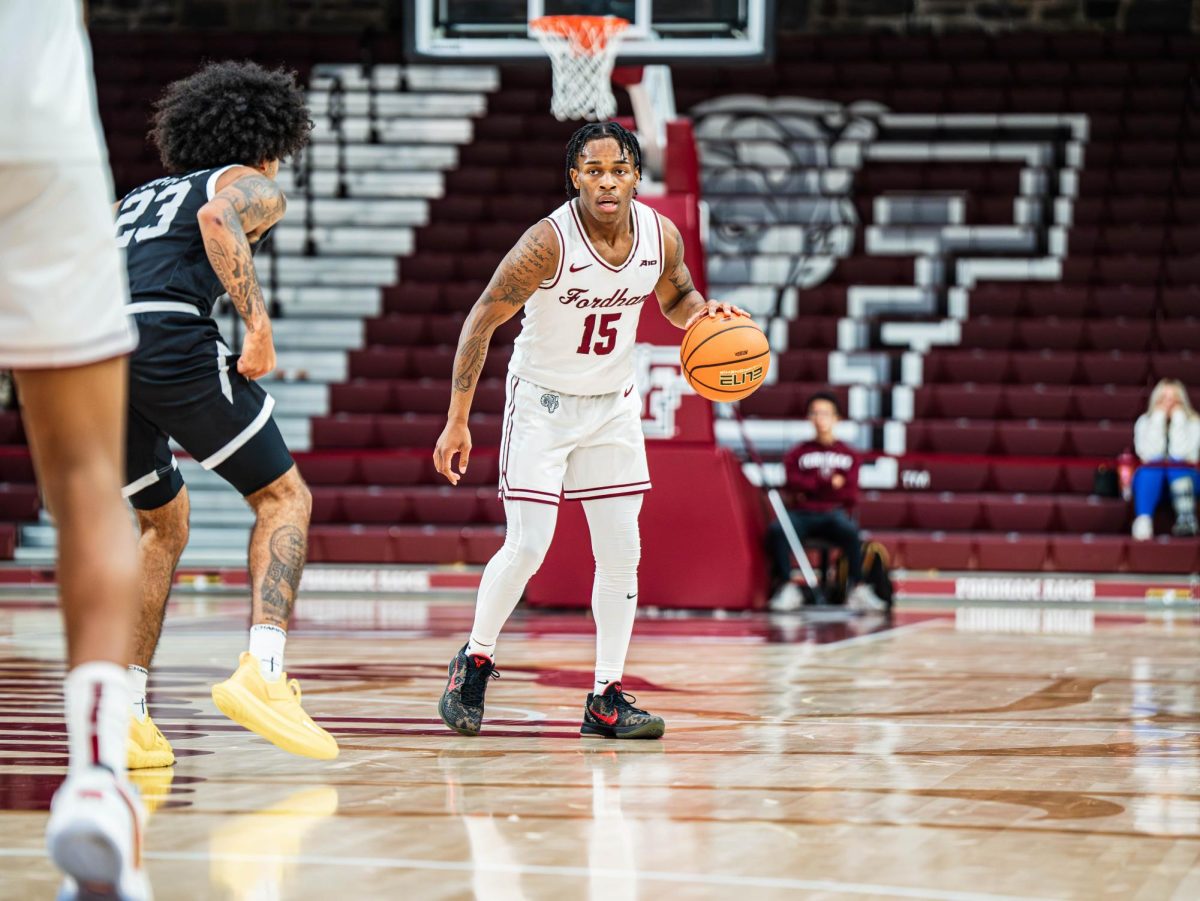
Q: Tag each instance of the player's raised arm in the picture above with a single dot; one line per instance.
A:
(677, 295)
(532, 261)
(239, 213)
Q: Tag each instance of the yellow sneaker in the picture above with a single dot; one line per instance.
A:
(272, 710)
(147, 747)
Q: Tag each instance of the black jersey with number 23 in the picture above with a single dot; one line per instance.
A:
(164, 250)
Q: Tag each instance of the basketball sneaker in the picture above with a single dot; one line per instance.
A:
(612, 715)
(272, 710)
(461, 706)
(95, 837)
(863, 599)
(147, 747)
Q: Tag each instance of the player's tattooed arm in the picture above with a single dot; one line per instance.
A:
(532, 261)
(236, 216)
(681, 303)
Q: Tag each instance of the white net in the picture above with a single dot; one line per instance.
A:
(582, 52)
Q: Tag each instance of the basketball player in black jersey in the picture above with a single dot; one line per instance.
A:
(189, 238)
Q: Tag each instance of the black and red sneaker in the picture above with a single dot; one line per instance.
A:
(612, 715)
(461, 706)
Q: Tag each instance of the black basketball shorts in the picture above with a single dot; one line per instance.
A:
(184, 384)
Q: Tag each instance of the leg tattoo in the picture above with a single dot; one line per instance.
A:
(282, 580)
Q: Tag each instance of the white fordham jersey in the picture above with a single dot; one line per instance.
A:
(580, 326)
(47, 102)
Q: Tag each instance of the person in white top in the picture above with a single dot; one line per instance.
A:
(572, 422)
(64, 330)
(1167, 440)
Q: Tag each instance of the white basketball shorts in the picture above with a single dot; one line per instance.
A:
(63, 289)
(580, 446)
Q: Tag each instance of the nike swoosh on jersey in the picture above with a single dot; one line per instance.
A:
(575, 268)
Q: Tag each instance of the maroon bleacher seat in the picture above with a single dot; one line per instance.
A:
(426, 544)
(326, 504)
(949, 475)
(375, 504)
(444, 505)
(1184, 366)
(1011, 553)
(8, 540)
(1092, 514)
(344, 430)
(1164, 555)
(409, 430)
(1132, 335)
(978, 366)
(952, 436)
(1018, 512)
(1123, 300)
(938, 551)
(380, 363)
(1037, 401)
(1026, 477)
(1113, 368)
(967, 401)
(407, 330)
(1033, 437)
(947, 512)
(328, 469)
(11, 430)
(350, 544)
(1102, 439)
(997, 299)
(360, 396)
(1110, 402)
(19, 502)
(480, 543)
(1056, 300)
(1050, 333)
(395, 468)
(1181, 300)
(1088, 553)
(989, 333)
(1047, 367)
(1179, 334)
(880, 510)
(16, 465)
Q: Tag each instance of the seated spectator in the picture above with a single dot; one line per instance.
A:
(1167, 440)
(821, 488)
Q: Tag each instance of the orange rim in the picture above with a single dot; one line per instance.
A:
(587, 34)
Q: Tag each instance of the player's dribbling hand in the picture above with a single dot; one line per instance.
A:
(713, 309)
(455, 439)
(258, 354)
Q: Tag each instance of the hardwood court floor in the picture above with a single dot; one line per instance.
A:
(928, 761)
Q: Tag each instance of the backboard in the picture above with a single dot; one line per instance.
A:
(661, 31)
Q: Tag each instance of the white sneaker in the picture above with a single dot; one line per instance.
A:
(863, 599)
(1143, 528)
(787, 599)
(95, 837)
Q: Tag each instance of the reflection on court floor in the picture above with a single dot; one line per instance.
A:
(998, 752)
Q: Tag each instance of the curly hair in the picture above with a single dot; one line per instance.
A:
(230, 112)
(593, 131)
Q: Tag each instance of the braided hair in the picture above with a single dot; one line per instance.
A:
(590, 132)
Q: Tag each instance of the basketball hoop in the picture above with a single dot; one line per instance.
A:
(582, 51)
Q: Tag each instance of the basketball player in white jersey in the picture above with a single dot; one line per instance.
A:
(64, 330)
(572, 423)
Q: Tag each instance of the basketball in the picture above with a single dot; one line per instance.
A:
(725, 358)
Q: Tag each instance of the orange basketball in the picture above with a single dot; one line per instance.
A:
(725, 358)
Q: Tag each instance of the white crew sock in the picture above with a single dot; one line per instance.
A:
(526, 540)
(266, 643)
(616, 545)
(137, 691)
(96, 697)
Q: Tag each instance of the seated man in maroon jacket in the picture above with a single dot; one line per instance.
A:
(822, 481)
